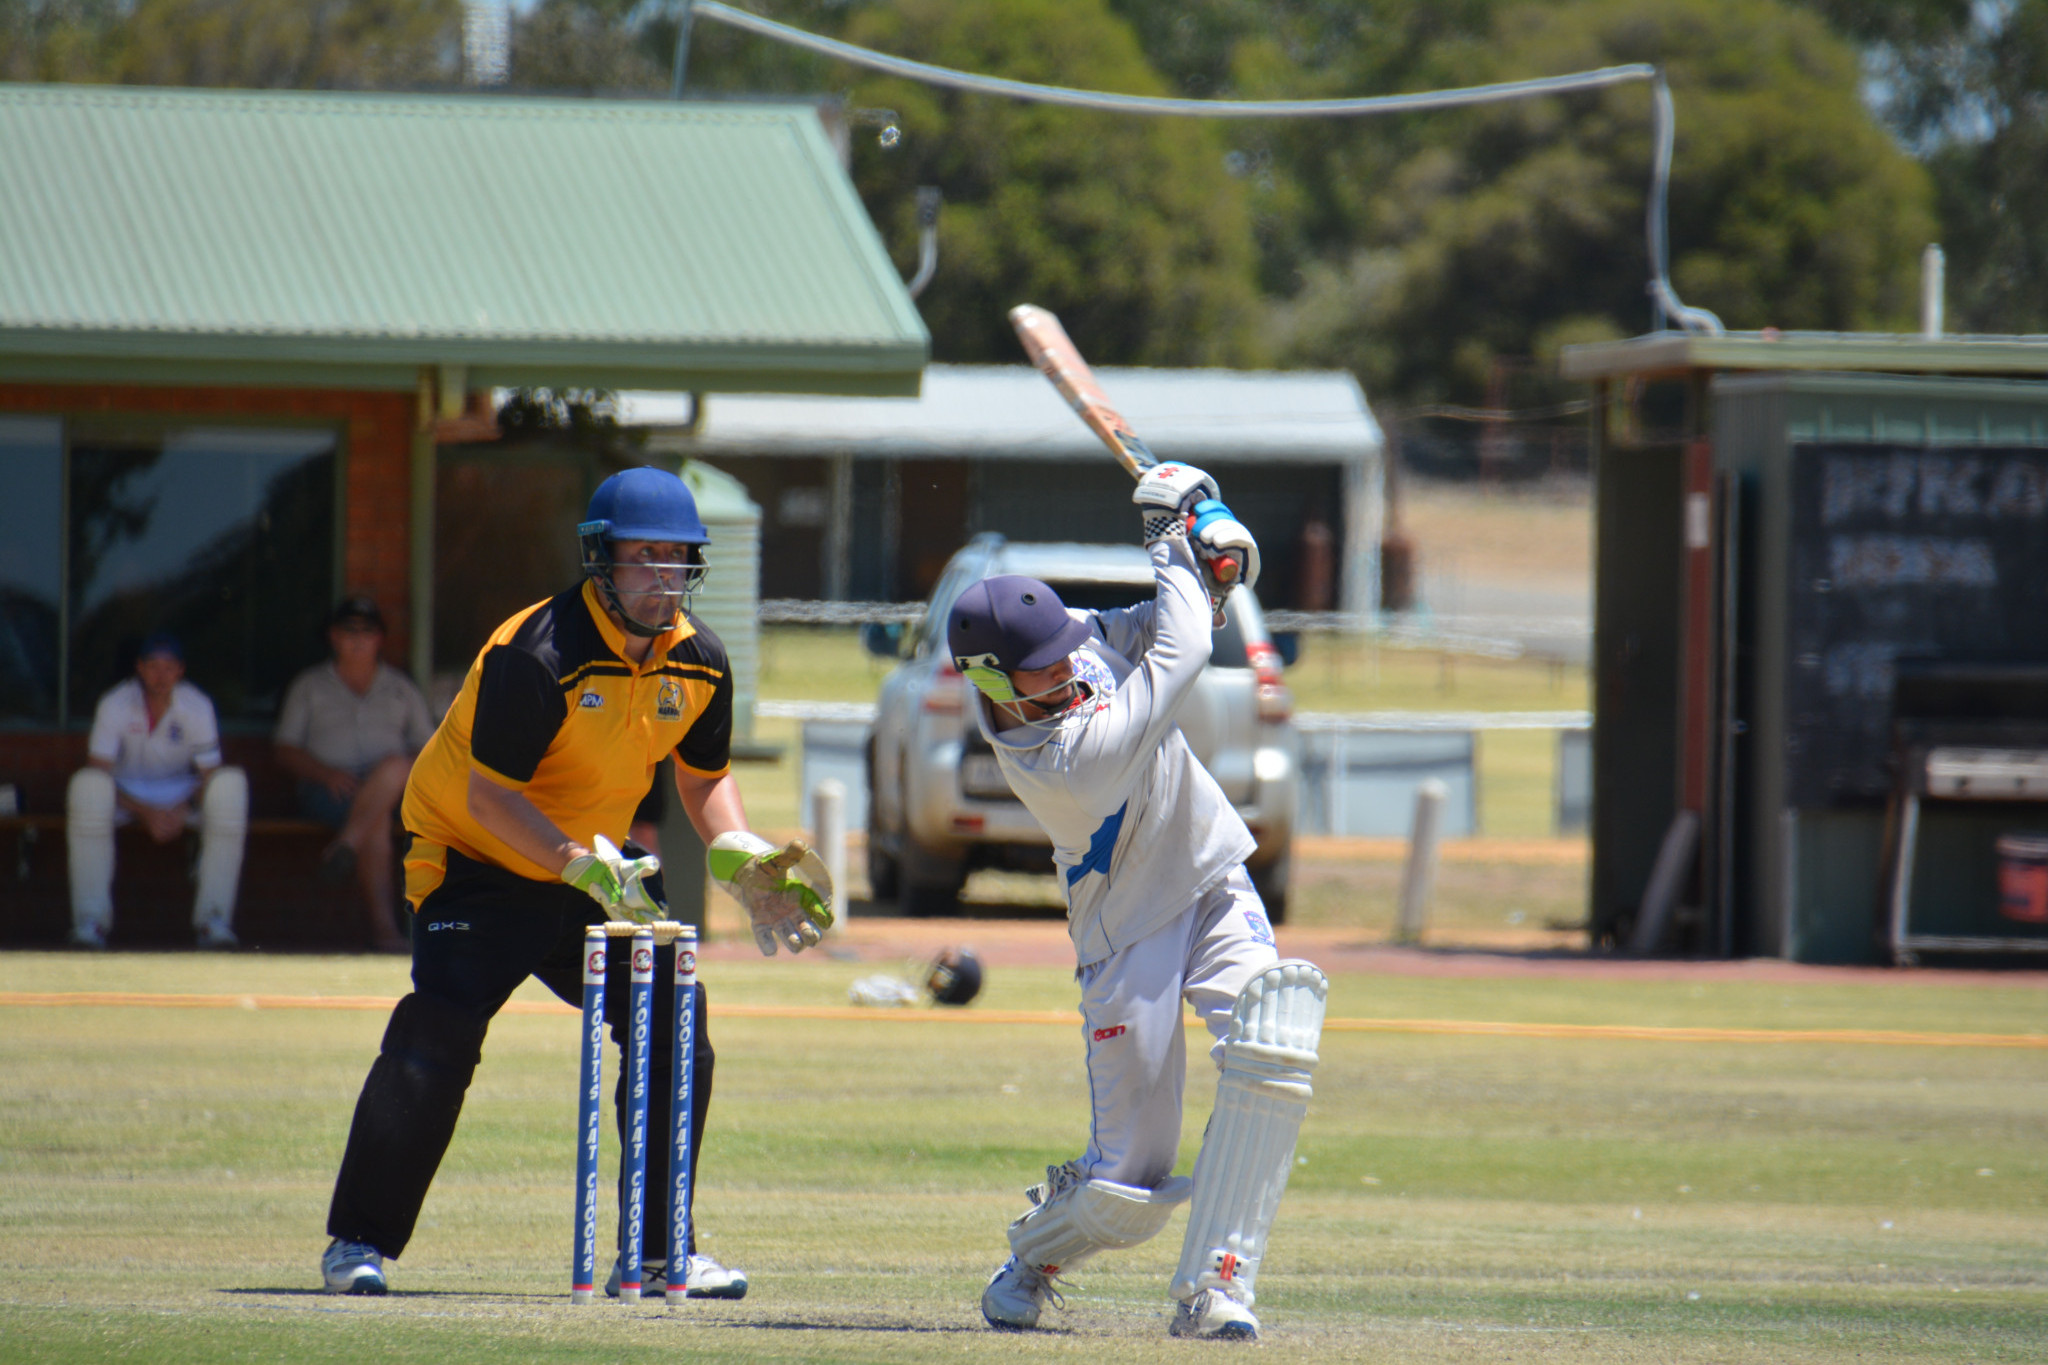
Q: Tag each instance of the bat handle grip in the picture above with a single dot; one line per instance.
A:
(1220, 573)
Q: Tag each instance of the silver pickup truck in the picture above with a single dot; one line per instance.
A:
(938, 807)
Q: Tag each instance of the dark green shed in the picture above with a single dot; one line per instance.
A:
(1821, 573)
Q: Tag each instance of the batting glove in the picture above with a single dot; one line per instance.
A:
(616, 882)
(1167, 493)
(1219, 535)
(786, 891)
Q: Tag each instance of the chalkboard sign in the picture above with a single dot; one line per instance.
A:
(1936, 553)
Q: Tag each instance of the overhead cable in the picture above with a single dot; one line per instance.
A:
(1156, 104)
(1667, 301)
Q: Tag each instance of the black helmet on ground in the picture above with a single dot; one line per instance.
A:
(954, 977)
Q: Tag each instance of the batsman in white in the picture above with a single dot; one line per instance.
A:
(512, 806)
(1080, 709)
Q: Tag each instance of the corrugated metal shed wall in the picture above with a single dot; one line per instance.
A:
(691, 231)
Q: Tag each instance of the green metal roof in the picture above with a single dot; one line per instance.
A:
(150, 234)
(1895, 353)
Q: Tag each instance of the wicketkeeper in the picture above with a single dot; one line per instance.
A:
(512, 806)
(1080, 708)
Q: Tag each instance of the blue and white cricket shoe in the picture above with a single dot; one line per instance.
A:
(352, 1268)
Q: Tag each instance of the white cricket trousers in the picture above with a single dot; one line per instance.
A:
(90, 811)
(1131, 1022)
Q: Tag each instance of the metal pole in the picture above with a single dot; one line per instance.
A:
(1933, 279)
(420, 538)
(686, 12)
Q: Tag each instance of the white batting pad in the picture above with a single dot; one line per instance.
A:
(89, 847)
(1248, 1151)
(1081, 1219)
(224, 825)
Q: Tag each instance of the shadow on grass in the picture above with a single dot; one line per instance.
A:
(894, 1328)
(964, 909)
(301, 1292)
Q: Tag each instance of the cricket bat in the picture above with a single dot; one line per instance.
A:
(1059, 360)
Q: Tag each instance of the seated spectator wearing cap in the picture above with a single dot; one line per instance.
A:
(154, 757)
(349, 732)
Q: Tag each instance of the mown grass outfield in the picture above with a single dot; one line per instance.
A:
(1534, 1196)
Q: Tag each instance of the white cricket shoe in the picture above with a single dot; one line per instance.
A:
(93, 936)
(1213, 1315)
(710, 1280)
(1016, 1295)
(706, 1278)
(215, 935)
(352, 1268)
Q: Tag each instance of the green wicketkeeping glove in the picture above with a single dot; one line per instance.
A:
(786, 891)
(614, 881)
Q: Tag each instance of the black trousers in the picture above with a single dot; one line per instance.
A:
(476, 937)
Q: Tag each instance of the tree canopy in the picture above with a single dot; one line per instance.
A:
(1421, 250)
(1820, 144)
(1129, 228)
(284, 44)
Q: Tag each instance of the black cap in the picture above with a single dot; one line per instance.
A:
(356, 610)
(1013, 624)
(160, 642)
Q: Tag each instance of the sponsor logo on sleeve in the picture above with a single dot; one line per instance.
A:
(1261, 931)
(1103, 1035)
(1095, 673)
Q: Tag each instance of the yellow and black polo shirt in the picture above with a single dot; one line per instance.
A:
(552, 709)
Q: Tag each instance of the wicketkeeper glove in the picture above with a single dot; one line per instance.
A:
(1167, 494)
(787, 892)
(616, 882)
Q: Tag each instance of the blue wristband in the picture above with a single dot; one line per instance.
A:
(1209, 510)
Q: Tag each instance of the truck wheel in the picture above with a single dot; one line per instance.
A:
(929, 882)
(884, 875)
(1270, 882)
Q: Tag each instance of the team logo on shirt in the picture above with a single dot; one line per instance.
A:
(1095, 673)
(590, 701)
(176, 731)
(1261, 931)
(668, 703)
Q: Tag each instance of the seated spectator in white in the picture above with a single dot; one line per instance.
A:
(155, 747)
(349, 732)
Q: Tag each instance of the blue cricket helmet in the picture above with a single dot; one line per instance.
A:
(644, 504)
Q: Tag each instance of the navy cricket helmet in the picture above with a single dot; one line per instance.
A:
(954, 977)
(1009, 624)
